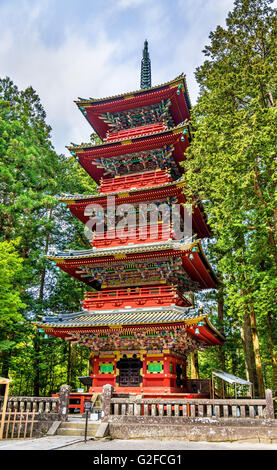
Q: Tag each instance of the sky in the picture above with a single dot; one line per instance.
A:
(67, 49)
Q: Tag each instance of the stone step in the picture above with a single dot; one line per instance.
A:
(79, 425)
(76, 427)
(75, 432)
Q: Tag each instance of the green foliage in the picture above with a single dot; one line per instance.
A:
(31, 222)
(231, 164)
(10, 269)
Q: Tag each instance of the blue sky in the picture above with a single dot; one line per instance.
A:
(93, 48)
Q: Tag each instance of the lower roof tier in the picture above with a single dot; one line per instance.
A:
(172, 262)
(150, 328)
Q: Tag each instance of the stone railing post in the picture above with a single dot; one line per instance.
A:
(269, 404)
(106, 401)
(64, 402)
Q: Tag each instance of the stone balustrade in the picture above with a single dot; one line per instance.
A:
(115, 408)
(31, 404)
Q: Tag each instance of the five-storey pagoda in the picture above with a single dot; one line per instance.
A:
(137, 318)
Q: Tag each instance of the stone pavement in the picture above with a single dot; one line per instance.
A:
(40, 443)
(74, 443)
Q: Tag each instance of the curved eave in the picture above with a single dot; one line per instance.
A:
(206, 332)
(90, 146)
(124, 323)
(196, 266)
(122, 250)
(93, 110)
(176, 81)
(72, 199)
(87, 154)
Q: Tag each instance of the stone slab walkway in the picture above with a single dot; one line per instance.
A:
(74, 443)
(40, 443)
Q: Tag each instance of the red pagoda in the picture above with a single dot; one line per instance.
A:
(136, 317)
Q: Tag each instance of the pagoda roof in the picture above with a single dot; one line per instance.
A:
(105, 320)
(123, 316)
(72, 198)
(199, 270)
(175, 82)
(78, 202)
(124, 141)
(94, 107)
(86, 153)
(120, 250)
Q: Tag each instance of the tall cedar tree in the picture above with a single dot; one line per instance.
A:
(31, 174)
(231, 165)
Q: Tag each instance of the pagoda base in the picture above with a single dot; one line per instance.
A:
(139, 372)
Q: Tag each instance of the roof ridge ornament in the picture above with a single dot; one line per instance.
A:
(145, 75)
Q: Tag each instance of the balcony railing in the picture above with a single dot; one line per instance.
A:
(135, 131)
(142, 180)
(134, 297)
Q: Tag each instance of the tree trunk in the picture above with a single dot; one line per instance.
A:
(221, 353)
(247, 343)
(272, 352)
(194, 365)
(37, 341)
(68, 375)
(5, 369)
(36, 388)
(258, 362)
(91, 363)
(220, 312)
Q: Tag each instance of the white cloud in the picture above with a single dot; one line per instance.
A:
(122, 4)
(98, 58)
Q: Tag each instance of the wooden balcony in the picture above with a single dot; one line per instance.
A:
(134, 297)
(136, 181)
(135, 131)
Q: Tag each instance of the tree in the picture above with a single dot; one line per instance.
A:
(231, 165)
(31, 175)
(11, 304)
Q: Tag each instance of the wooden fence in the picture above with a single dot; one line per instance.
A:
(22, 413)
(19, 424)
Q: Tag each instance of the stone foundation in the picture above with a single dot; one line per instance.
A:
(197, 431)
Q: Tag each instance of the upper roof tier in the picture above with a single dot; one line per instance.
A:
(166, 105)
(162, 149)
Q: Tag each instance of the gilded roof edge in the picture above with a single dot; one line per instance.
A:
(181, 77)
(90, 145)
